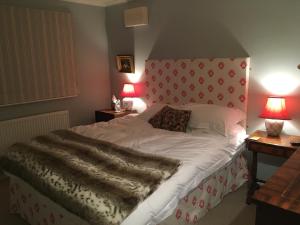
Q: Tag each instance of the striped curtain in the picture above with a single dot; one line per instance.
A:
(36, 55)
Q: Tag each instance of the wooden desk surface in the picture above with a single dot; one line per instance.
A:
(283, 140)
(282, 190)
(117, 114)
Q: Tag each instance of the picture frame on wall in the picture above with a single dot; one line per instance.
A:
(125, 63)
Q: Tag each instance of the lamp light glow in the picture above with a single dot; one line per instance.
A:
(275, 109)
(275, 113)
(129, 91)
(134, 77)
(277, 84)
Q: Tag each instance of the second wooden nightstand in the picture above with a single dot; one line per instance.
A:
(109, 114)
(259, 142)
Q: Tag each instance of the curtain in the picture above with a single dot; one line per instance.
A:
(36, 55)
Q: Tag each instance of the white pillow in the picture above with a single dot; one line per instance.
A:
(214, 117)
(151, 111)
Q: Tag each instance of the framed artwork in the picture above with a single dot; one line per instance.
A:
(125, 63)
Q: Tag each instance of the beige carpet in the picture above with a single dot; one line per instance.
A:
(232, 211)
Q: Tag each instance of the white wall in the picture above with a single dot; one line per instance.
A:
(267, 31)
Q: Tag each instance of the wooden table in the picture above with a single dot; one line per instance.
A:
(278, 201)
(260, 142)
(109, 114)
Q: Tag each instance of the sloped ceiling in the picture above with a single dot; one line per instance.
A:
(102, 3)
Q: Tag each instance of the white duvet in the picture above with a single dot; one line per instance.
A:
(201, 153)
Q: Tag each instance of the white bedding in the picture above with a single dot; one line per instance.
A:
(200, 151)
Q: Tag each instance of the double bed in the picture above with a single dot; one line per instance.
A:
(210, 163)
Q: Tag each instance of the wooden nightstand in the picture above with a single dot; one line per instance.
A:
(278, 200)
(259, 142)
(109, 114)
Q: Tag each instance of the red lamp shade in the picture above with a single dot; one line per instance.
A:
(129, 91)
(275, 109)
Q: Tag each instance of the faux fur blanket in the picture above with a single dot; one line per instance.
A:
(100, 182)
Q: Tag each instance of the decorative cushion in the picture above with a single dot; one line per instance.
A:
(171, 119)
(175, 120)
(156, 120)
(151, 111)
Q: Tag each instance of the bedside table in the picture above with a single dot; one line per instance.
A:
(260, 142)
(109, 114)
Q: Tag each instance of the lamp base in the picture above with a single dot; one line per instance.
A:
(274, 127)
(127, 104)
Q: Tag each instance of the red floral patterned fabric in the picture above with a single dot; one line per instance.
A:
(209, 193)
(37, 209)
(221, 81)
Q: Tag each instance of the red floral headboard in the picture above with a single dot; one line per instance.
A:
(221, 81)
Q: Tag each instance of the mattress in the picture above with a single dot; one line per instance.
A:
(201, 152)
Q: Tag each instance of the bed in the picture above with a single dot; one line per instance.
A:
(211, 164)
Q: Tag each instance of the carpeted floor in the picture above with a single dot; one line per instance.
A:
(232, 211)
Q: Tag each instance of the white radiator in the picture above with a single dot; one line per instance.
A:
(23, 129)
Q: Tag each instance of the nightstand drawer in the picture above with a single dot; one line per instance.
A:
(270, 149)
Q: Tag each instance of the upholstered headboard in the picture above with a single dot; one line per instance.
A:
(221, 81)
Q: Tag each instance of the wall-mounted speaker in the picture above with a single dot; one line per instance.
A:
(136, 17)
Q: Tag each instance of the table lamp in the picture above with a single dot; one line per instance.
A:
(128, 92)
(275, 113)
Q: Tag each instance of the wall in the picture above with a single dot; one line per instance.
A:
(92, 65)
(267, 31)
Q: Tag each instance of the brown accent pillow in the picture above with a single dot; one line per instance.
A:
(156, 120)
(171, 119)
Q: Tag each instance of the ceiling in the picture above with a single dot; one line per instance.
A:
(102, 3)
